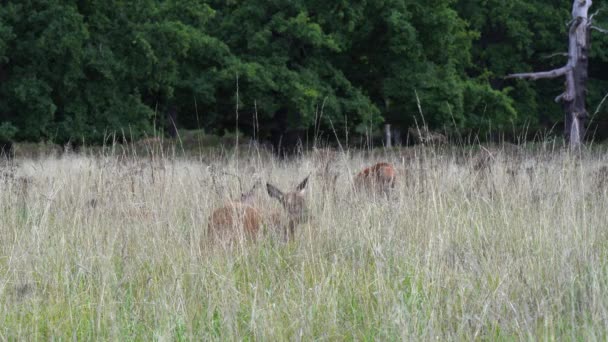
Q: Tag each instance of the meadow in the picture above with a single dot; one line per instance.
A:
(480, 243)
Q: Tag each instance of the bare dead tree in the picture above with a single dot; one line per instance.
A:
(573, 99)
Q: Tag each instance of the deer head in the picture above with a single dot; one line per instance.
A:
(293, 202)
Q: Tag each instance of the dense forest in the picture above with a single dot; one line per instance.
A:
(84, 69)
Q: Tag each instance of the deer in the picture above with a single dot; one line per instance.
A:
(378, 178)
(244, 217)
(236, 218)
(294, 203)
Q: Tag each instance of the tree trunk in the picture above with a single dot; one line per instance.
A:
(575, 106)
(574, 97)
(387, 136)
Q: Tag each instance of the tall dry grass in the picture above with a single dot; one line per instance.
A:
(472, 244)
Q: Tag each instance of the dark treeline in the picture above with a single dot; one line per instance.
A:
(84, 69)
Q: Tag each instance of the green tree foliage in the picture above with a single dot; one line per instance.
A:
(411, 57)
(523, 36)
(286, 64)
(85, 69)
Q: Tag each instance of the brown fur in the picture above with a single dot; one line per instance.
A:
(294, 204)
(244, 219)
(229, 219)
(236, 218)
(379, 177)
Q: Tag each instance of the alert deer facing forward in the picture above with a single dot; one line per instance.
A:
(294, 204)
(243, 218)
(378, 178)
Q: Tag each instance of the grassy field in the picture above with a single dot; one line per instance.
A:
(501, 243)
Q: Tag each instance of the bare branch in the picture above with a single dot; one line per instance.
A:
(563, 54)
(598, 29)
(593, 15)
(542, 74)
(569, 22)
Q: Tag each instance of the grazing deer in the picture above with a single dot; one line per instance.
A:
(294, 203)
(378, 178)
(236, 218)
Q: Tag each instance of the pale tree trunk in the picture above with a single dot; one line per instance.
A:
(388, 141)
(575, 71)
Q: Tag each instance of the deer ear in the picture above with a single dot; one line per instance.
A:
(274, 192)
(302, 186)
